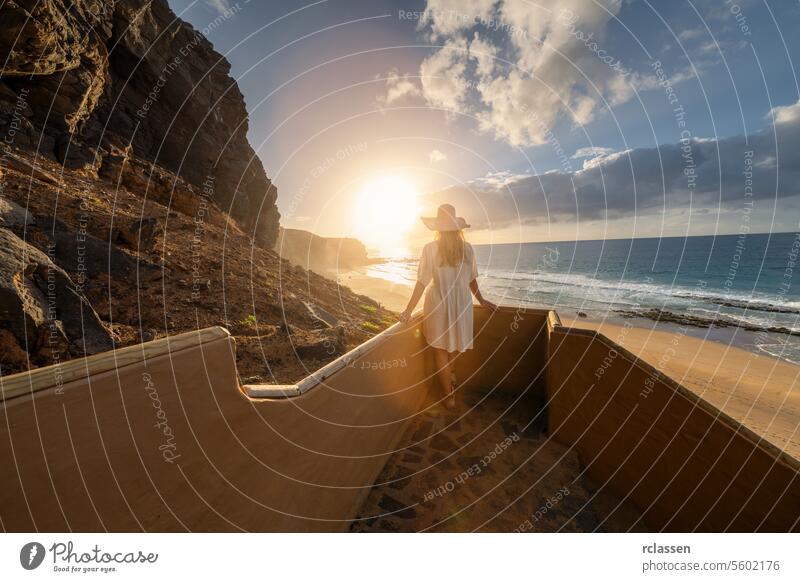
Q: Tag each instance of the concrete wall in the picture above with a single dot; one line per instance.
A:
(84, 448)
(88, 456)
(686, 465)
(160, 437)
(510, 351)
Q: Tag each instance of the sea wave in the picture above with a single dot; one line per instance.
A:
(541, 280)
(788, 350)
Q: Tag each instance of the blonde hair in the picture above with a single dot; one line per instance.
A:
(451, 247)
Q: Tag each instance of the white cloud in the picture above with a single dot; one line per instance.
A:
(398, 87)
(499, 179)
(592, 152)
(691, 34)
(645, 181)
(484, 53)
(444, 83)
(221, 6)
(436, 156)
(786, 113)
(449, 17)
(518, 66)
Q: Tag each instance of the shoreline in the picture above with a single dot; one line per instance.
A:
(393, 296)
(756, 389)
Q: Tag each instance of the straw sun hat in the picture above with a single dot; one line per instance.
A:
(445, 219)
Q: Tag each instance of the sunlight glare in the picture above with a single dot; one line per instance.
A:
(386, 209)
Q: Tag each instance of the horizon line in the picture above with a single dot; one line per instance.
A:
(637, 238)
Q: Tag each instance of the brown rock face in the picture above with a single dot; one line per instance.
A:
(127, 84)
(41, 307)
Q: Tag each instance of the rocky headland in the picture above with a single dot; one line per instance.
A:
(323, 255)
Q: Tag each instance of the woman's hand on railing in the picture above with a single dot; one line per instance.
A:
(488, 305)
(419, 289)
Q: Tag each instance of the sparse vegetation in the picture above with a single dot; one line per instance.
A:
(249, 321)
(369, 326)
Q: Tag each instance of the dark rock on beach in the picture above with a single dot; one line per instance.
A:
(718, 320)
(747, 305)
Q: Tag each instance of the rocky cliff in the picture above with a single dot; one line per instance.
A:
(132, 206)
(113, 88)
(324, 255)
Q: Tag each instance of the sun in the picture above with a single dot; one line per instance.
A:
(386, 209)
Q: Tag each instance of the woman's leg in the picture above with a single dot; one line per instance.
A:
(442, 359)
(452, 359)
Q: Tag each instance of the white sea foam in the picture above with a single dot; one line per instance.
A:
(549, 282)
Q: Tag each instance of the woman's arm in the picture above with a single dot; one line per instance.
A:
(487, 305)
(419, 288)
(473, 285)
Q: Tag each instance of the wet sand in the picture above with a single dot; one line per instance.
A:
(760, 391)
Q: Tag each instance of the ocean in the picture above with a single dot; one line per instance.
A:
(744, 289)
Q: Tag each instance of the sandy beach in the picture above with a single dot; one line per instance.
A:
(392, 296)
(758, 390)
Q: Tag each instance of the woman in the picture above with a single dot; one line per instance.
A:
(449, 263)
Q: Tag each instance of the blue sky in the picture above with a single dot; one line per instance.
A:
(485, 97)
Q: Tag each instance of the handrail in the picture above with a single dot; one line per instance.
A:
(319, 376)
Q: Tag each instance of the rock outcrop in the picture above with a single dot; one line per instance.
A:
(43, 309)
(12, 215)
(111, 87)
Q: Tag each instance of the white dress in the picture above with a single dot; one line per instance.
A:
(447, 322)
